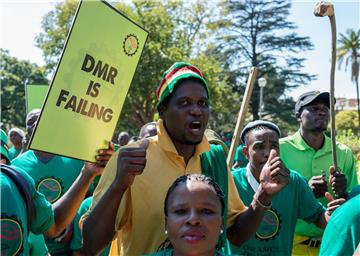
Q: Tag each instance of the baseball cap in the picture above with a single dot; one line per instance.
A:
(308, 97)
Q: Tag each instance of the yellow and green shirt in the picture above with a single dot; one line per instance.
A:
(140, 214)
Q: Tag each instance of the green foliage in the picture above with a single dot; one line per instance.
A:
(349, 45)
(176, 29)
(349, 51)
(257, 33)
(347, 120)
(56, 25)
(14, 75)
(351, 140)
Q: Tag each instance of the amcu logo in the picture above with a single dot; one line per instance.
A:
(11, 235)
(130, 45)
(51, 188)
(269, 226)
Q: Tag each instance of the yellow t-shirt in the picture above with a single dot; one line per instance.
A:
(140, 218)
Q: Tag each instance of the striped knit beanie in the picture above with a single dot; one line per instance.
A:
(172, 76)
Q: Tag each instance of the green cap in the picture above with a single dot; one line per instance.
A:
(4, 146)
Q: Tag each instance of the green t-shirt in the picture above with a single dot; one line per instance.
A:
(276, 231)
(239, 156)
(37, 246)
(14, 233)
(342, 233)
(76, 242)
(299, 156)
(52, 179)
(170, 252)
(13, 153)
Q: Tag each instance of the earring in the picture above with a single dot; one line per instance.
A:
(221, 231)
(166, 232)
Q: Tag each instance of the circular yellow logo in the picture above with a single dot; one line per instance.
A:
(130, 45)
(51, 188)
(269, 226)
(11, 236)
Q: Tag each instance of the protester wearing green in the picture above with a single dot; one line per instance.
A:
(296, 200)
(239, 160)
(342, 234)
(76, 241)
(35, 244)
(170, 252)
(53, 176)
(14, 233)
(194, 207)
(24, 209)
(308, 151)
(16, 137)
(149, 167)
(5, 159)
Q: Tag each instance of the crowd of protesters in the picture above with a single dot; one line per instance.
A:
(169, 191)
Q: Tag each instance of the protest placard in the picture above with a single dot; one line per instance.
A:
(91, 82)
(35, 96)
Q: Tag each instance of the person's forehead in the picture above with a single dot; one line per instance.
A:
(194, 194)
(187, 88)
(193, 187)
(317, 102)
(261, 134)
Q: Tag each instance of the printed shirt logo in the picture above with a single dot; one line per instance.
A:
(130, 45)
(51, 188)
(11, 235)
(270, 226)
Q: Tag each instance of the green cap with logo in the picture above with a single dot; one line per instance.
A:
(4, 146)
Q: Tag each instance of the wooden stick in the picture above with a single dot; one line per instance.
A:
(332, 90)
(241, 116)
(323, 9)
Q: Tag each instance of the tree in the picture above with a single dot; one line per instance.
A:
(14, 75)
(348, 51)
(346, 120)
(176, 29)
(257, 33)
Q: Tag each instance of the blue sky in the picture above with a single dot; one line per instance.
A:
(20, 21)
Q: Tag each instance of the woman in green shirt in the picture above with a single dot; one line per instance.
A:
(194, 209)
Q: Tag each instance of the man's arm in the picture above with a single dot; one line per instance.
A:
(274, 177)
(248, 221)
(66, 207)
(97, 234)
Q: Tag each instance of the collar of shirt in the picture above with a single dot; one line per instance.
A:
(166, 143)
(302, 145)
(251, 179)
